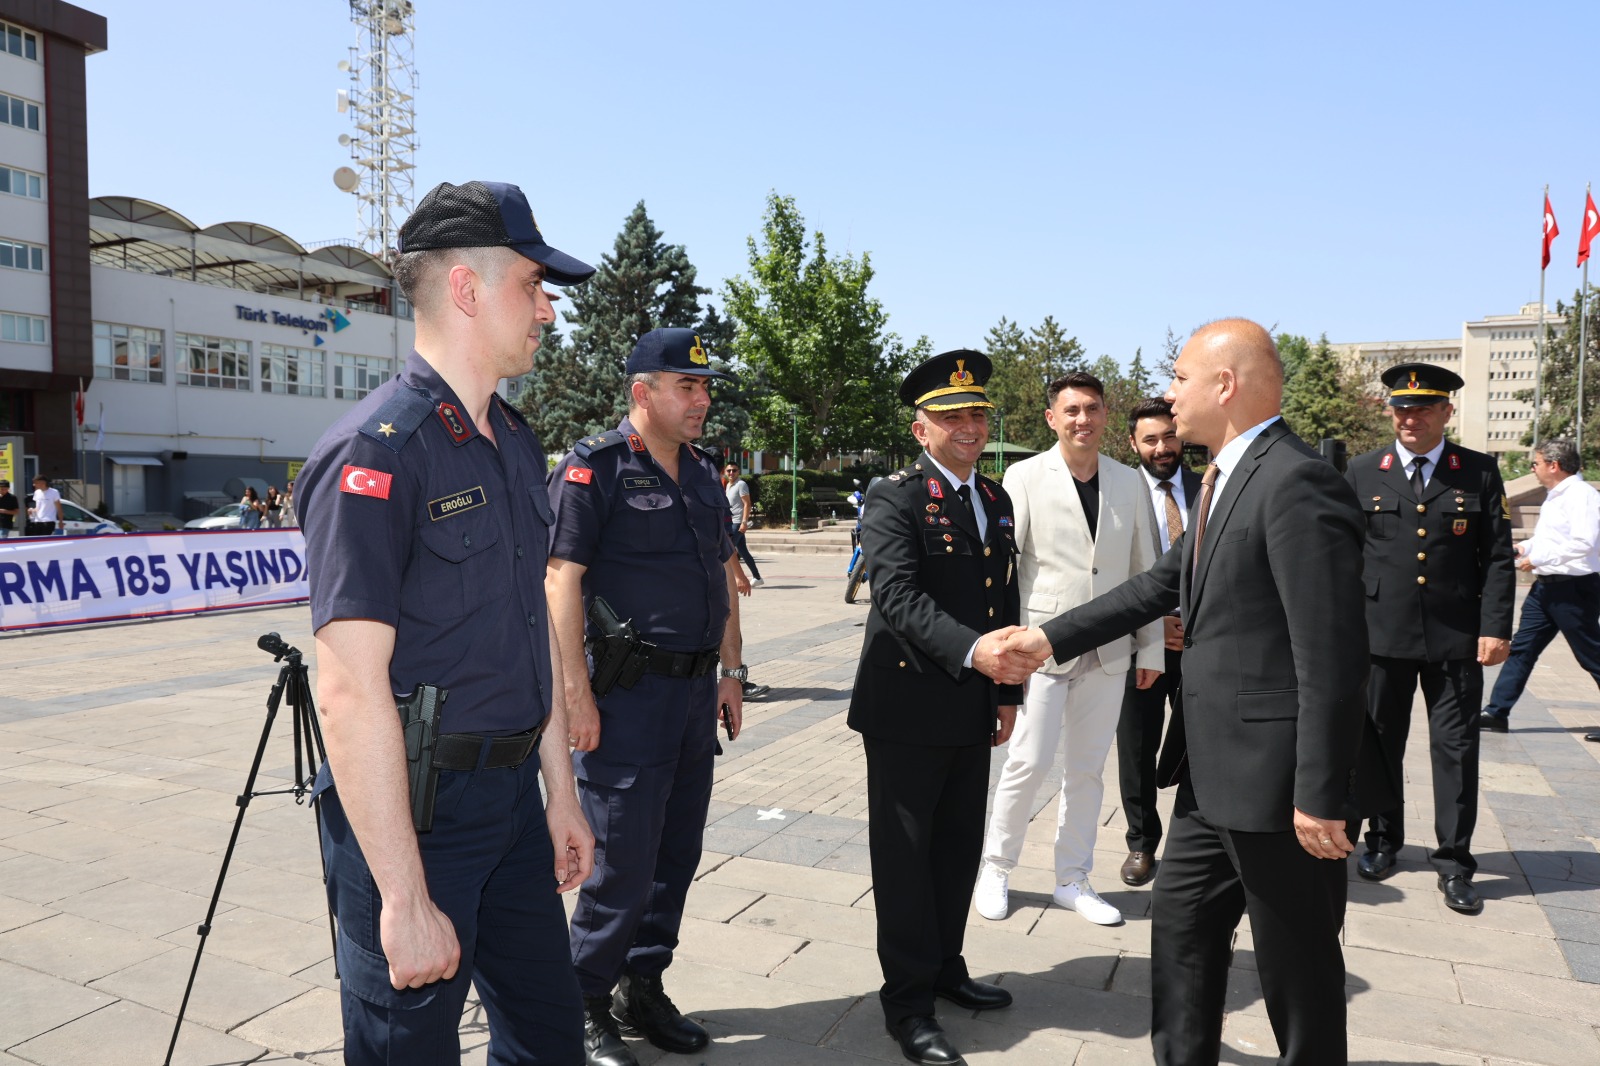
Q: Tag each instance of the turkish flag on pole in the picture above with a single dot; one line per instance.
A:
(1551, 230)
(77, 404)
(1591, 228)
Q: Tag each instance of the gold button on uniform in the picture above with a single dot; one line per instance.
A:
(1421, 580)
(991, 612)
(1421, 509)
(986, 549)
(1422, 532)
(1421, 556)
(988, 581)
(902, 663)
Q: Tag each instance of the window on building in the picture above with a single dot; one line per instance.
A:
(21, 256)
(356, 375)
(23, 114)
(213, 362)
(292, 371)
(129, 353)
(19, 42)
(25, 329)
(21, 183)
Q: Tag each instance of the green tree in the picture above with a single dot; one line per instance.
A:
(728, 421)
(1324, 398)
(1024, 366)
(1123, 392)
(641, 284)
(808, 331)
(1560, 380)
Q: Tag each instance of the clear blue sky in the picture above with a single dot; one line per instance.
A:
(1368, 170)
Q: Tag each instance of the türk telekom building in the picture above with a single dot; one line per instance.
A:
(206, 353)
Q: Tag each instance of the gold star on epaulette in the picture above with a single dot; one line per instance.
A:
(592, 442)
(386, 428)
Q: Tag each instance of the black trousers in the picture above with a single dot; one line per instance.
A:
(1570, 607)
(1138, 741)
(926, 811)
(1453, 691)
(1209, 877)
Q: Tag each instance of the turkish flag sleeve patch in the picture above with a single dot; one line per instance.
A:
(580, 474)
(360, 481)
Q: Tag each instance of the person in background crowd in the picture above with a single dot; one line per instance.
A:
(45, 517)
(272, 509)
(290, 519)
(1564, 557)
(254, 509)
(9, 509)
(740, 509)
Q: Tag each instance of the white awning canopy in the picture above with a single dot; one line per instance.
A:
(134, 460)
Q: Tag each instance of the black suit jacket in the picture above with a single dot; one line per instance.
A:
(1463, 558)
(936, 587)
(1275, 661)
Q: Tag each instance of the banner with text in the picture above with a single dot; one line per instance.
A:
(53, 581)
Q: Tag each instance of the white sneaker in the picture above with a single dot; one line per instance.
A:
(757, 583)
(992, 898)
(1080, 897)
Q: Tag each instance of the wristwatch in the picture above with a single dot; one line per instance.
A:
(740, 673)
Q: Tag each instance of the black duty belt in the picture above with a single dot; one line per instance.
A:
(681, 663)
(462, 751)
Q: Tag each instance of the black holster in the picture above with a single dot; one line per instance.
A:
(419, 722)
(619, 655)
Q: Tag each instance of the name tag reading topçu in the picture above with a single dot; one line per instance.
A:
(651, 482)
(456, 502)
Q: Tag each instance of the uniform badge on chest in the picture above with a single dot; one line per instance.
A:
(1459, 526)
(453, 504)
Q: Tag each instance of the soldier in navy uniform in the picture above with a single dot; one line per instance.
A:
(425, 520)
(933, 695)
(1440, 589)
(641, 520)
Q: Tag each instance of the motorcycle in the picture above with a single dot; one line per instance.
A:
(856, 572)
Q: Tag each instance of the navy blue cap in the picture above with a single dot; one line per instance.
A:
(486, 214)
(676, 351)
(1420, 384)
(948, 381)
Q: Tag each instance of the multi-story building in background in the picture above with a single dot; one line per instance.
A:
(1496, 357)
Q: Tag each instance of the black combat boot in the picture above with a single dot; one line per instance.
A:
(602, 1045)
(641, 1008)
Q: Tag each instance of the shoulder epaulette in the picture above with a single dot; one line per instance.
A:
(398, 417)
(589, 445)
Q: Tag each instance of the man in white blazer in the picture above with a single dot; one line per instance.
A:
(1084, 524)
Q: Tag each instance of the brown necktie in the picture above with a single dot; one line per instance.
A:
(1174, 516)
(1207, 483)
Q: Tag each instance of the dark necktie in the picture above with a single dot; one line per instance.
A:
(965, 492)
(1174, 516)
(1207, 484)
(1416, 474)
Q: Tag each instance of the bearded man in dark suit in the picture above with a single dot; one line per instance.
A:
(1268, 576)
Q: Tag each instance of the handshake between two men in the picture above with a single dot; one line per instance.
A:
(1011, 654)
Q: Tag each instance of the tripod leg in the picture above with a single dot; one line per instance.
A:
(309, 732)
(243, 802)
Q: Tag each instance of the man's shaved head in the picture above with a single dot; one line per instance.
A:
(1227, 378)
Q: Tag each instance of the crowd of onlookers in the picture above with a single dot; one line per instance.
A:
(42, 513)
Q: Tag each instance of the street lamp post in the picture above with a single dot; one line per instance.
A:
(794, 471)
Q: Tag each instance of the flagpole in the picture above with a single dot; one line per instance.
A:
(1583, 323)
(1538, 362)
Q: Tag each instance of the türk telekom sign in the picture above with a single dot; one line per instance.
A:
(54, 581)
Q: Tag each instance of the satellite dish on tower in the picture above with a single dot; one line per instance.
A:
(344, 65)
(346, 179)
(344, 140)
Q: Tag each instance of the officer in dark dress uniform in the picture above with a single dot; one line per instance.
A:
(1440, 590)
(641, 520)
(939, 541)
(426, 519)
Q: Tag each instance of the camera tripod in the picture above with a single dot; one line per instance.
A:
(309, 756)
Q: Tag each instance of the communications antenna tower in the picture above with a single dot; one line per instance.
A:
(381, 102)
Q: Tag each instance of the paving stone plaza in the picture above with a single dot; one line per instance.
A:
(122, 749)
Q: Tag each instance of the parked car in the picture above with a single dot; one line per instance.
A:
(228, 516)
(80, 522)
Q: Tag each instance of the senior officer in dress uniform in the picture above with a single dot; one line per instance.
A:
(939, 541)
(642, 522)
(426, 519)
(1440, 589)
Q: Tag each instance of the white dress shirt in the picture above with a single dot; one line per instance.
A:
(977, 510)
(1566, 539)
(1406, 455)
(1229, 457)
(1158, 499)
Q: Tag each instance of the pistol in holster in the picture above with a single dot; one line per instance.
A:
(619, 655)
(419, 721)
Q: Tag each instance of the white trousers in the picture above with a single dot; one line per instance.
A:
(1079, 715)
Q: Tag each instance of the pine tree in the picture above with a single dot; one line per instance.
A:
(641, 284)
(1560, 379)
(728, 421)
(1325, 399)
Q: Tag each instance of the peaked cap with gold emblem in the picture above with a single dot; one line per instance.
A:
(1419, 384)
(673, 351)
(948, 381)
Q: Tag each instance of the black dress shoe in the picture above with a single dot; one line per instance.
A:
(1375, 865)
(921, 1040)
(1137, 868)
(1493, 723)
(1459, 895)
(602, 1045)
(641, 1008)
(1593, 738)
(975, 995)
